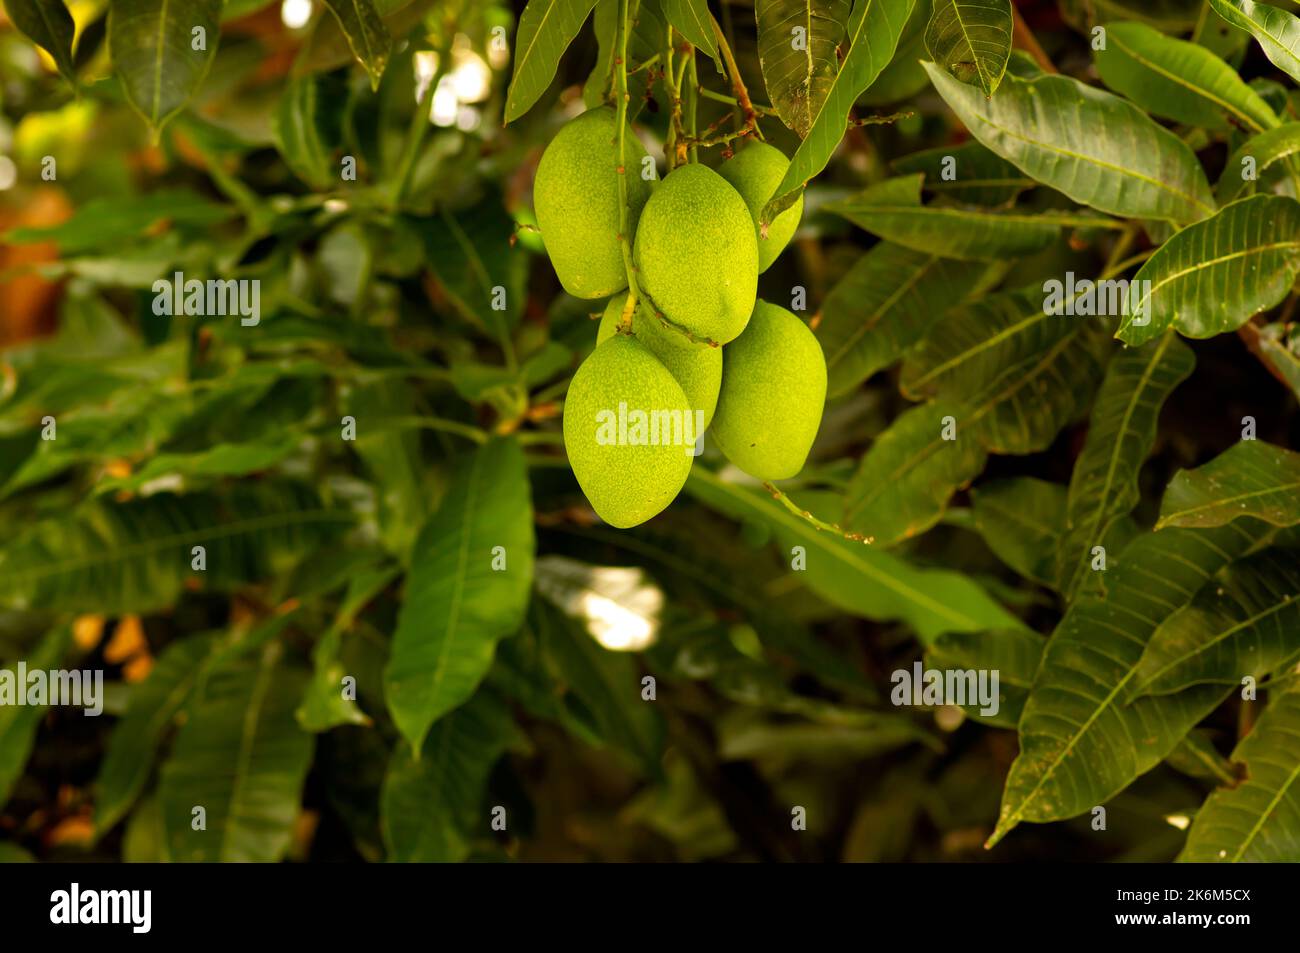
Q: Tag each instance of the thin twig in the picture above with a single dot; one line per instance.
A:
(822, 525)
(620, 76)
(737, 84)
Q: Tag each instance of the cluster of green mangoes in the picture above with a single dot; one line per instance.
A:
(639, 403)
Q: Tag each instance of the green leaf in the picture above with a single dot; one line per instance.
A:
(151, 711)
(1179, 80)
(101, 224)
(1263, 150)
(606, 684)
(367, 34)
(1277, 31)
(1196, 757)
(18, 723)
(1013, 653)
(546, 28)
(1079, 743)
(48, 24)
(393, 458)
(241, 757)
(190, 469)
(1121, 432)
(1094, 147)
(457, 605)
(1250, 478)
(152, 45)
(798, 80)
(645, 38)
(1021, 519)
(471, 254)
(691, 18)
(1259, 820)
(135, 556)
(892, 210)
(308, 126)
(1281, 344)
(857, 578)
(872, 33)
(883, 305)
(1244, 624)
(431, 805)
(971, 40)
(978, 176)
(1213, 276)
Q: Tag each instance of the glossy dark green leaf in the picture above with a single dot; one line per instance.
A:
(1213, 276)
(971, 40)
(458, 604)
(1276, 30)
(430, 805)
(366, 32)
(153, 708)
(18, 723)
(48, 24)
(1121, 432)
(546, 28)
(242, 757)
(884, 305)
(1179, 80)
(1021, 519)
(1254, 157)
(1243, 625)
(1095, 147)
(1257, 821)
(1013, 653)
(471, 254)
(975, 175)
(1250, 478)
(858, 578)
(1080, 744)
(872, 35)
(162, 50)
(797, 40)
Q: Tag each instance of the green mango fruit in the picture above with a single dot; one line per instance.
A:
(629, 432)
(755, 172)
(575, 196)
(697, 255)
(773, 393)
(698, 368)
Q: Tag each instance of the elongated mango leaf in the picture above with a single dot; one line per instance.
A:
(1250, 478)
(1013, 653)
(152, 709)
(546, 28)
(1248, 164)
(1197, 757)
(967, 173)
(1179, 80)
(1080, 744)
(470, 254)
(1213, 276)
(309, 126)
(134, 556)
(242, 758)
(872, 33)
(1245, 624)
(971, 40)
(458, 603)
(1259, 820)
(1277, 31)
(18, 723)
(1021, 519)
(48, 24)
(858, 578)
(1104, 486)
(1096, 148)
(367, 34)
(691, 18)
(885, 304)
(162, 49)
(430, 804)
(1281, 344)
(892, 209)
(796, 50)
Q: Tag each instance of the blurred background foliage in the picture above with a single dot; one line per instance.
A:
(771, 685)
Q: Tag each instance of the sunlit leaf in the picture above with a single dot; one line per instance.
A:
(1262, 151)
(692, 20)
(366, 32)
(162, 50)
(1250, 478)
(971, 40)
(796, 49)
(546, 28)
(48, 24)
(1277, 30)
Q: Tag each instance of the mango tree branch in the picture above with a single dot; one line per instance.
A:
(620, 79)
(737, 84)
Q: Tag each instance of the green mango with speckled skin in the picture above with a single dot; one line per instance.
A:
(627, 480)
(755, 172)
(698, 368)
(697, 255)
(773, 394)
(575, 196)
